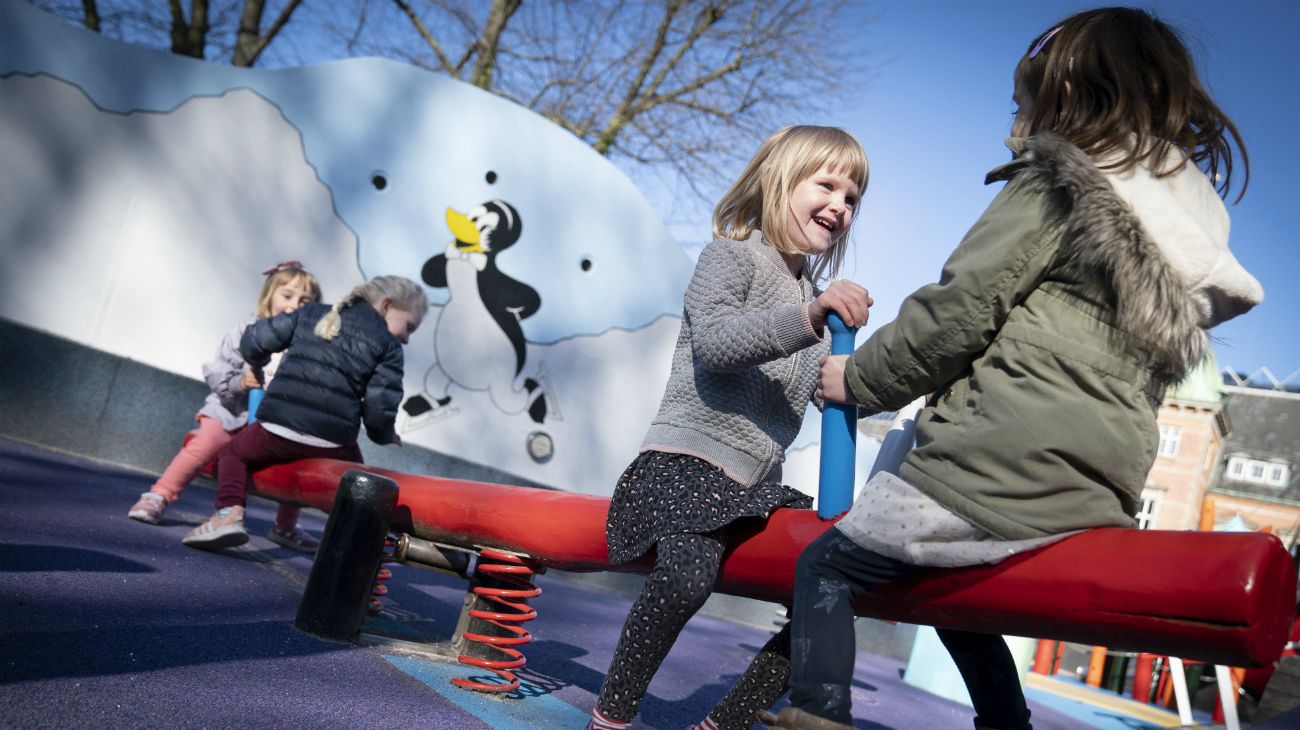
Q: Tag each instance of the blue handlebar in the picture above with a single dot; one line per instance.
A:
(254, 400)
(839, 436)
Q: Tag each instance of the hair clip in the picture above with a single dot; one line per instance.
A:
(1038, 47)
(282, 266)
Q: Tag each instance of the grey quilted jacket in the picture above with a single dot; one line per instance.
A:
(745, 365)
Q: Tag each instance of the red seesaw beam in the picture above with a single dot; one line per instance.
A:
(1225, 598)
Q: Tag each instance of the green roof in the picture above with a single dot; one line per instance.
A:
(1203, 384)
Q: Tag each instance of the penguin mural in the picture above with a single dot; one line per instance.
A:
(353, 201)
(478, 341)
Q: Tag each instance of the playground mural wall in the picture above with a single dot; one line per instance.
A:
(142, 193)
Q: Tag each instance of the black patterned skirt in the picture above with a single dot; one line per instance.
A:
(663, 494)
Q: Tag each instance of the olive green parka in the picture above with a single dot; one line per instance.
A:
(1050, 338)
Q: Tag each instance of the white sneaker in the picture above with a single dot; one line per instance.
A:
(224, 529)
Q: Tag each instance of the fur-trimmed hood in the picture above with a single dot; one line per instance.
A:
(1161, 242)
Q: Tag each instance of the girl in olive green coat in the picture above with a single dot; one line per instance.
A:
(1083, 291)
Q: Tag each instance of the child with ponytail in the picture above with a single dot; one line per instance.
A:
(342, 370)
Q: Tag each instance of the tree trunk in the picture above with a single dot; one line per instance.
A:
(249, 33)
(623, 113)
(92, 14)
(189, 37)
(490, 41)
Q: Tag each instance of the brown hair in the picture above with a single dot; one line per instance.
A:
(760, 198)
(280, 275)
(1119, 82)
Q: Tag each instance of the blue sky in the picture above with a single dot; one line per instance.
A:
(937, 107)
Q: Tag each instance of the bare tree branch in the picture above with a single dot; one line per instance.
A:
(707, 17)
(488, 43)
(250, 41)
(428, 38)
(624, 112)
(359, 27)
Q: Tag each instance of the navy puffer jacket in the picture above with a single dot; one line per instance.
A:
(326, 389)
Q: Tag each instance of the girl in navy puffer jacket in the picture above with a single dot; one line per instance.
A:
(343, 369)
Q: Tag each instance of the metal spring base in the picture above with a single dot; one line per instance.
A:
(515, 571)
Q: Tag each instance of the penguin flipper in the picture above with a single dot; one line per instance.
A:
(434, 272)
(528, 301)
(508, 301)
(500, 292)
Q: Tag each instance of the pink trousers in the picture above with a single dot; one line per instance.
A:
(209, 439)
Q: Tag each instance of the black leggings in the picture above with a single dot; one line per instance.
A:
(686, 568)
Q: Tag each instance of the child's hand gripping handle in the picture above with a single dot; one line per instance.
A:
(839, 436)
(254, 400)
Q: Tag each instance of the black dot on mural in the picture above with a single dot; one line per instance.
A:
(379, 181)
(491, 177)
(586, 264)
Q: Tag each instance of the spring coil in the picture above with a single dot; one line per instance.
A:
(379, 590)
(509, 569)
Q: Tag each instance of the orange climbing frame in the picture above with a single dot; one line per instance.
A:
(1224, 598)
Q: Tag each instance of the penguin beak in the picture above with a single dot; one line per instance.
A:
(466, 233)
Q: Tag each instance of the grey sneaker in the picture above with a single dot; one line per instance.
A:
(294, 538)
(224, 529)
(149, 508)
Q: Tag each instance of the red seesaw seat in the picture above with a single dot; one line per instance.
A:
(1224, 598)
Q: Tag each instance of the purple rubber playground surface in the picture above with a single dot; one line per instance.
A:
(110, 623)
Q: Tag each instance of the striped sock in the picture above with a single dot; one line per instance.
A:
(705, 724)
(599, 721)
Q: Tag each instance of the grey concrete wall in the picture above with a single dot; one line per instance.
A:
(71, 397)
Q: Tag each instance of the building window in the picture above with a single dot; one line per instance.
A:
(1170, 436)
(1255, 471)
(1146, 516)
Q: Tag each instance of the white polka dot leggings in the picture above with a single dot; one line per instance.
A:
(685, 569)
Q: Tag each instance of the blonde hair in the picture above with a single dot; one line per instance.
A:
(277, 277)
(760, 198)
(405, 294)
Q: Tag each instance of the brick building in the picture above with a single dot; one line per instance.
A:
(1193, 425)
(1229, 456)
(1255, 483)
